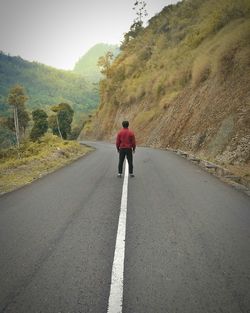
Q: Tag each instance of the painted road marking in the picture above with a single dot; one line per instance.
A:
(116, 289)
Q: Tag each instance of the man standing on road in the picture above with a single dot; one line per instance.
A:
(125, 144)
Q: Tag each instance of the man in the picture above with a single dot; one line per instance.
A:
(125, 144)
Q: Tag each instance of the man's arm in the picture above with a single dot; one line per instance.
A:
(118, 142)
(133, 142)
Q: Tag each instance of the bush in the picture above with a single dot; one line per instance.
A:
(40, 124)
(144, 117)
(201, 70)
(7, 137)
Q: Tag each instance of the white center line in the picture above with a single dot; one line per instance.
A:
(116, 289)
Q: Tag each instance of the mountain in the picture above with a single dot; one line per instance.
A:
(87, 64)
(45, 85)
(183, 82)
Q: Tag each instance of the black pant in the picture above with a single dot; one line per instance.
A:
(125, 152)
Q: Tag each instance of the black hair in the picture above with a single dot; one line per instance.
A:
(125, 124)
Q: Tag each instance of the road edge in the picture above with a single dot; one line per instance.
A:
(50, 171)
(216, 170)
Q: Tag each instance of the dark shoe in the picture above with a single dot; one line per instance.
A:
(131, 175)
(119, 175)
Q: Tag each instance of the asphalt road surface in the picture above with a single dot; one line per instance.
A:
(187, 245)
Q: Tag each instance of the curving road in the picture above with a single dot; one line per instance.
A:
(187, 246)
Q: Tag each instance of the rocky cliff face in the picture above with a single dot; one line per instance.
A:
(183, 82)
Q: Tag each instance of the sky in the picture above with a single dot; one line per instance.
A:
(59, 32)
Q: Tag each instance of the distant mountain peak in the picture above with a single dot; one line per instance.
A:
(87, 64)
(45, 85)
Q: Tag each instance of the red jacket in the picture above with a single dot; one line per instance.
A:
(125, 139)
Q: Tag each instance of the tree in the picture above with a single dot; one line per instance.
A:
(52, 121)
(17, 99)
(76, 132)
(137, 26)
(133, 32)
(23, 120)
(141, 12)
(7, 137)
(9, 123)
(40, 124)
(63, 118)
(23, 117)
(104, 63)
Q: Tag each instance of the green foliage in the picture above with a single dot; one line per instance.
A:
(39, 115)
(7, 137)
(64, 117)
(52, 123)
(17, 99)
(8, 123)
(104, 63)
(45, 85)
(40, 126)
(24, 118)
(75, 132)
(61, 106)
(17, 96)
(133, 32)
(32, 150)
(87, 64)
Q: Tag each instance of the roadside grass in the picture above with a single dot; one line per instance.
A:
(35, 160)
(143, 118)
(181, 55)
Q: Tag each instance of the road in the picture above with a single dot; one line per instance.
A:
(187, 245)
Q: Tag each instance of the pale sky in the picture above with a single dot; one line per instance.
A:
(59, 32)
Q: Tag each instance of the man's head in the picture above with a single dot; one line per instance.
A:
(125, 124)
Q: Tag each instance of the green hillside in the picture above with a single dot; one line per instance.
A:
(87, 64)
(45, 85)
(183, 82)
